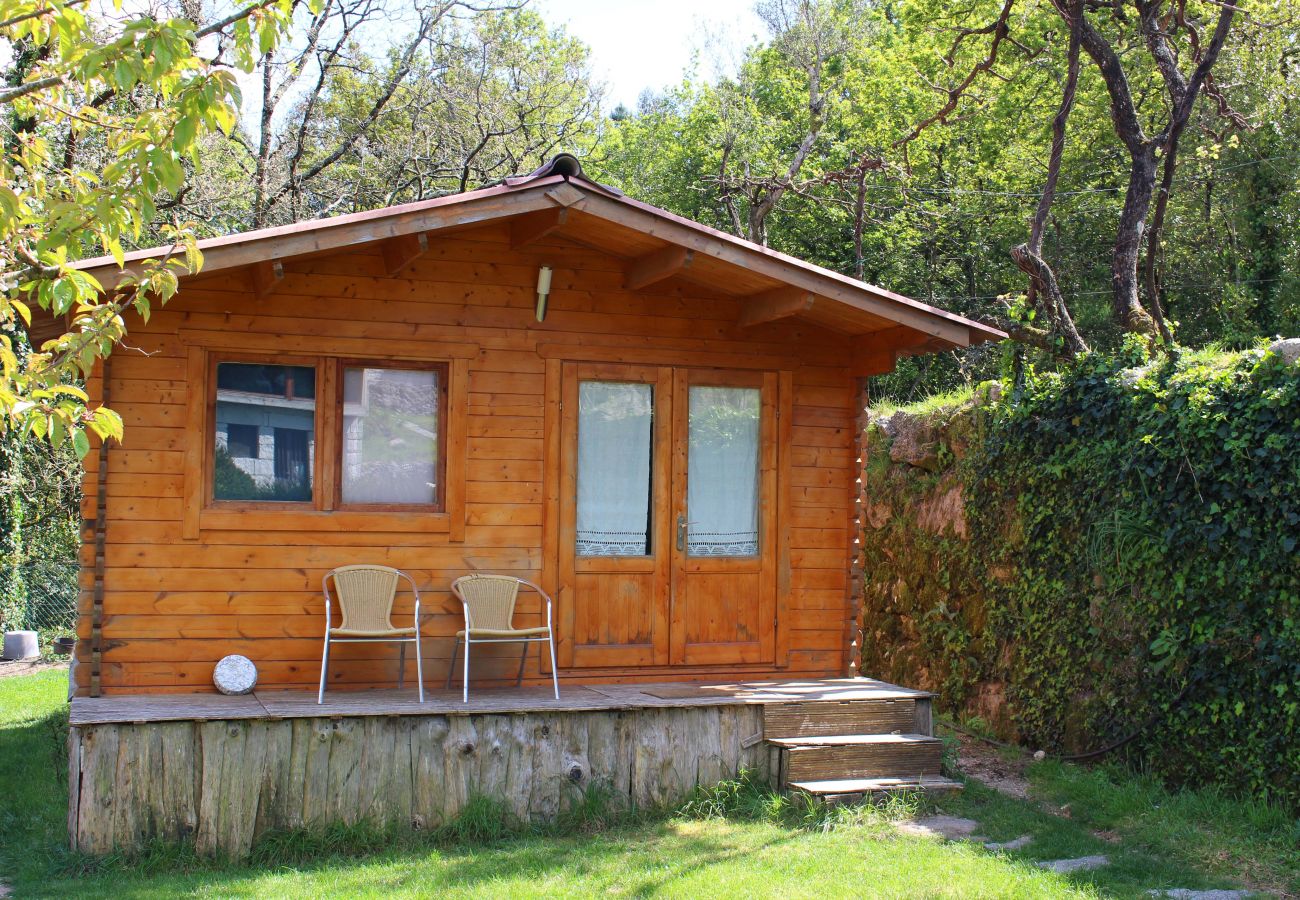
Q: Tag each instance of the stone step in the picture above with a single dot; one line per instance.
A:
(815, 718)
(845, 789)
(855, 756)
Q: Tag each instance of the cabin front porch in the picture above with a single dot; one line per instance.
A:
(223, 770)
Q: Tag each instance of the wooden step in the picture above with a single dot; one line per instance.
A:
(815, 718)
(855, 756)
(848, 787)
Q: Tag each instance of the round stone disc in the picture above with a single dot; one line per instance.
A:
(235, 675)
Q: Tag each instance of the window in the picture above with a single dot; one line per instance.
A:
(385, 428)
(391, 436)
(615, 445)
(241, 440)
(278, 401)
(723, 487)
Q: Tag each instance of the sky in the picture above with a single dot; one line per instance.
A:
(639, 44)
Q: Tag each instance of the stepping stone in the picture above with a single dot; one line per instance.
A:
(1023, 841)
(949, 828)
(1082, 864)
(1189, 894)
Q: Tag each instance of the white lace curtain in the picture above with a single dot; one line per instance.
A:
(615, 437)
(722, 473)
(615, 427)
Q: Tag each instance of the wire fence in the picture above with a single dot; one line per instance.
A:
(42, 596)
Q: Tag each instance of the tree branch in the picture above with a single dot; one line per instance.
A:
(999, 29)
(1182, 113)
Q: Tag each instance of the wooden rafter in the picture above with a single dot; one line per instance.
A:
(878, 352)
(655, 267)
(401, 251)
(771, 306)
(534, 226)
(267, 277)
(566, 195)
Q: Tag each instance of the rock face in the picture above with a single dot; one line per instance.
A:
(1288, 349)
(914, 440)
(916, 527)
(943, 512)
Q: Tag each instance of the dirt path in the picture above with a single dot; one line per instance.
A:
(28, 666)
(1002, 770)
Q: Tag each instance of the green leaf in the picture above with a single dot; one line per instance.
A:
(80, 443)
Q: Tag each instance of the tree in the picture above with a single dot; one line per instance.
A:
(928, 174)
(144, 90)
(465, 94)
(1182, 47)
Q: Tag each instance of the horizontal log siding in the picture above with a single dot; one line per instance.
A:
(174, 606)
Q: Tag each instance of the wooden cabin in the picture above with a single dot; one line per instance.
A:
(655, 421)
(247, 471)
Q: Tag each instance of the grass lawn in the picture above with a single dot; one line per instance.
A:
(739, 843)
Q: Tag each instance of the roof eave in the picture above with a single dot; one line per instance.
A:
(546, 192)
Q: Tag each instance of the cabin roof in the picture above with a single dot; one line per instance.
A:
(558, 200)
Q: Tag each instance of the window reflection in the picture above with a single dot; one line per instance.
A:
(390, 436)
(266, 432)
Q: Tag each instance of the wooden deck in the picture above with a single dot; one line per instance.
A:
(141, 708)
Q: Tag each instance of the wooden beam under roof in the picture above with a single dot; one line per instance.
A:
(878, 352)
(533, 226)
(399, 252)
(657, 266)
(796, 273)
(267, 277)
(773, 305)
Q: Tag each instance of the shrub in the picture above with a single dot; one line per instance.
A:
(1131, 565)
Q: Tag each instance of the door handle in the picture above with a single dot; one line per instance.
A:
(682, 526)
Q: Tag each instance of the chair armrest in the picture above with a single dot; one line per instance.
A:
(325, 586)
(545, 596)
(415, 592)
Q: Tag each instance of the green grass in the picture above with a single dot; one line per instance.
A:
(933, 403)
(736, 839)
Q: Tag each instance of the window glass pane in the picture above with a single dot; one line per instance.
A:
(266, 432)
(722, 474)
(390, 435)
(614, 449)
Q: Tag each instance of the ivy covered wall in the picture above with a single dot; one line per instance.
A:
(1101, 552)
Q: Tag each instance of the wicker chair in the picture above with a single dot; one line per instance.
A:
(365, 596)
(489, 604)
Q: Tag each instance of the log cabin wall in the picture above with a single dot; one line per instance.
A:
(185, 586)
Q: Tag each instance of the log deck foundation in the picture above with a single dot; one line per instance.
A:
(223, 771)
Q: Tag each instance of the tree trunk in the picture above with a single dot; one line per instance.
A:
(1126, 304)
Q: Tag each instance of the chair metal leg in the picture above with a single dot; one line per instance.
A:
(419, 664)
(523, 658)
(324, 664)
(555, 675)
(401, 665)
(451, 669)
(465, 695)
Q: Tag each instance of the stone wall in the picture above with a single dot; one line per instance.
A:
(925, 604)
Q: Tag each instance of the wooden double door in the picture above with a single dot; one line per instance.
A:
(667, 532)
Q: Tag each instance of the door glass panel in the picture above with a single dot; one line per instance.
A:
(722, 471)
(615, 434)
(266, 432)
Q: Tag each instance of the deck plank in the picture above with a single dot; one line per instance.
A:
(573, 698)
(163, 708)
